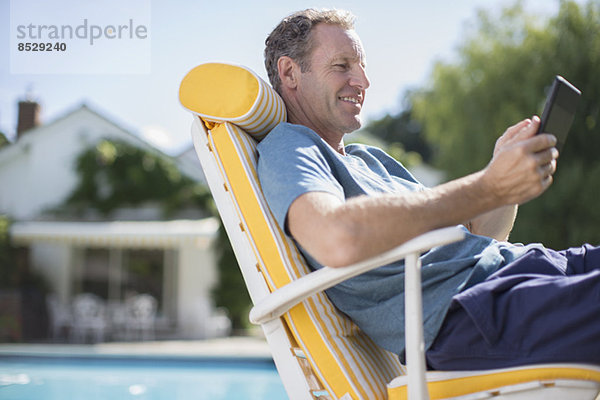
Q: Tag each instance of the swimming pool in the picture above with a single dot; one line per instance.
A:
(147, 378)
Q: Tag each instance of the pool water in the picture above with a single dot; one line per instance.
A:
(153, 378)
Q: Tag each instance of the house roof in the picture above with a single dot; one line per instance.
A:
(138, 234)
(28, 136)
(38, 171)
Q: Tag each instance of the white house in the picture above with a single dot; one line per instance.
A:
(171, 260)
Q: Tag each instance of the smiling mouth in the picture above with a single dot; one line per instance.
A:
(349, 99)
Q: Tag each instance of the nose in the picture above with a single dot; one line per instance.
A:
(359, 77)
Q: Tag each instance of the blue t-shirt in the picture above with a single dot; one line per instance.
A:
(294, 160)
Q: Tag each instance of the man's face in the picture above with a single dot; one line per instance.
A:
(331, 94)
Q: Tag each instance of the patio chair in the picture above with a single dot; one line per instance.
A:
(140, 317)
(89, 317)
(318, 351)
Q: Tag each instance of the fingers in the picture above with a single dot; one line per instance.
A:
(546, 167)
(518, 132)
(515, 130)
(546, 156)
(546, 170)
(546, 182)
(546, 161)
(535, 123)
(530, 129)
(541, 142)
(511, 134)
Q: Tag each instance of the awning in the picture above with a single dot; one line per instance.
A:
(134, 234)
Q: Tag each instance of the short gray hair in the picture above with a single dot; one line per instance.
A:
(292, 38)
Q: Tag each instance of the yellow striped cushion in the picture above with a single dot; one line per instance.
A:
(443, 385)
(343, 357)
(218, 92)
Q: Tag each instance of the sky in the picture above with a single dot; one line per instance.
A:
(137, 86)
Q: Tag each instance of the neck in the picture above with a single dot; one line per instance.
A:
(333, 139)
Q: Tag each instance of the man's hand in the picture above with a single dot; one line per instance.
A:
(523, 163)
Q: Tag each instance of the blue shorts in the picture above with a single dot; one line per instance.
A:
(542, 308)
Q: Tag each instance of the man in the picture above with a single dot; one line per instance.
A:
(486, 303)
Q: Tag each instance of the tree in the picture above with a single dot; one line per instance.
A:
(8, 274)
(114, 174)
(502, 73)
(3, 140)
(23, 289)
(231, 291)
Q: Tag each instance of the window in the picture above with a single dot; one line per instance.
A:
(115, 274)
(95, 272)
(143, 272)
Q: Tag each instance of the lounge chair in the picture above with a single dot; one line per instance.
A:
(318, 351)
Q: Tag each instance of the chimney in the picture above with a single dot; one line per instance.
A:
(29, 116)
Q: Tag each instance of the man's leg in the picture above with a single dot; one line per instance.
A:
(538, 309)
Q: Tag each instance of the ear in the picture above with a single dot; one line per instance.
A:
(288, 70)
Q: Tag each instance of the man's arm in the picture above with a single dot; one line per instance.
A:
(496, 224)
(339, 233)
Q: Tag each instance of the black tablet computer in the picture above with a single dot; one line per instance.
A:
(559, 110)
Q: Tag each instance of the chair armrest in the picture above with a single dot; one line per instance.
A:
(281, 300)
